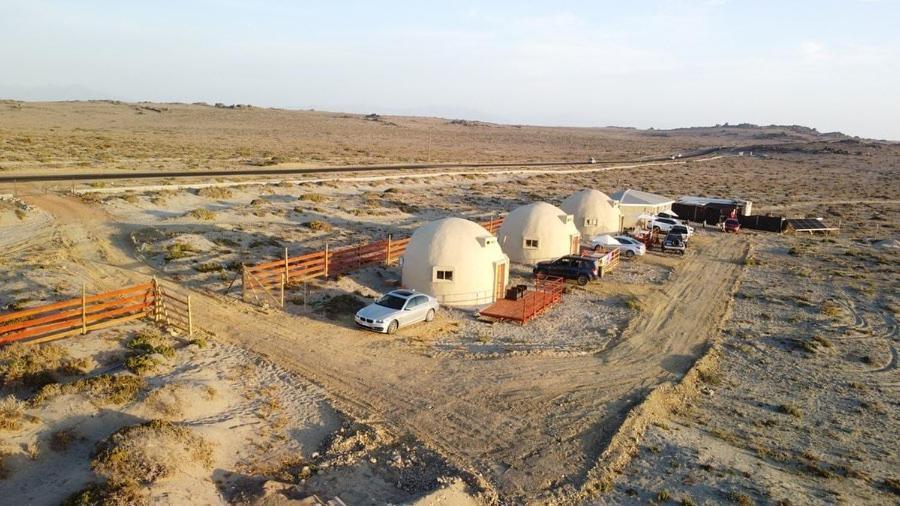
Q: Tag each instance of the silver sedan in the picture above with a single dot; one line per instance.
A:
(396, 309)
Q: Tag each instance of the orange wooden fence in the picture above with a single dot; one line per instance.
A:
(91, 312)
(265, 283)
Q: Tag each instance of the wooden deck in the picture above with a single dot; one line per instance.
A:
(534, 301)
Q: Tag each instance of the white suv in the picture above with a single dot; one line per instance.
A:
(666, 224)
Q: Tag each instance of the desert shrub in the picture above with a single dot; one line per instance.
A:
(39, 365)
(199, 341)
(312, 197)
(740, 498)
(710, 377)
(831, 309)
(663, 495)
(633, 303)
(61, 439)
(152, 341)
(318, 225)
(142, 454)
(12, 413)
(209, 267)
(178, 250)
(202, 214)
(108, 495)
(790, 409)
(213, 192)
(142, 364)
(103, 389)
(21, 213)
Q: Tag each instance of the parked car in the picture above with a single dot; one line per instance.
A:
(630, 246)
(665, 224)
(673, 243)
(396, 309)
(732, 225)
(684, 230)
(581, 269)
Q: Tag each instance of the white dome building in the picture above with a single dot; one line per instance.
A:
(537, 232)
(595, 213)
(457, 261)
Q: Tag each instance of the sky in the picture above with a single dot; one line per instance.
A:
(830, 64)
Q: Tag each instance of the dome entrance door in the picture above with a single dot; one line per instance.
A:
(499, 281)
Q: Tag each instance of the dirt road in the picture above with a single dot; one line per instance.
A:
(530, 426)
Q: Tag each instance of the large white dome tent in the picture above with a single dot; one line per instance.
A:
(594, 212)
(457, 261)
(537, 232)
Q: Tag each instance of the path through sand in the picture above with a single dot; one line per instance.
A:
(528, 426)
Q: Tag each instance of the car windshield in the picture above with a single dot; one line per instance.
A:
(391, 301)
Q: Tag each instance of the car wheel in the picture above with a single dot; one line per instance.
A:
(597, 248)
(656, 229)
(582, 280)
(541, 274)
(393, 327)
(430, 315)
(629, 253)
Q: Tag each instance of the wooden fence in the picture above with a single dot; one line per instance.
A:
(91, 312)
(532, 303)
(607, 262)
(266, 282)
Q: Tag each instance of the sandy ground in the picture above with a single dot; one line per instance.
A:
(803, 408)
(536, 414)
(219, 391)
(524, 441)
(262, 419)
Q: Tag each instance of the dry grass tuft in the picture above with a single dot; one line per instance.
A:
(143, 454)
(318, 225)
(202, 214)
(36, 366)
(178, 250)
(108, 495)
(148, 345)
(790, 409)
(12, 413)
(215, 192)
(102, 390)
(312, 197)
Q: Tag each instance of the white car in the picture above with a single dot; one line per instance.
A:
(626, 245)
(630, 246)
(666, 224)
(396, 309)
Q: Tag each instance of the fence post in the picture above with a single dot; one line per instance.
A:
(286, 274)
(243, 282)
(326, 259)
(190, 318)
(283, 281)
(387, 258)
(83, 308)
(156, 300)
